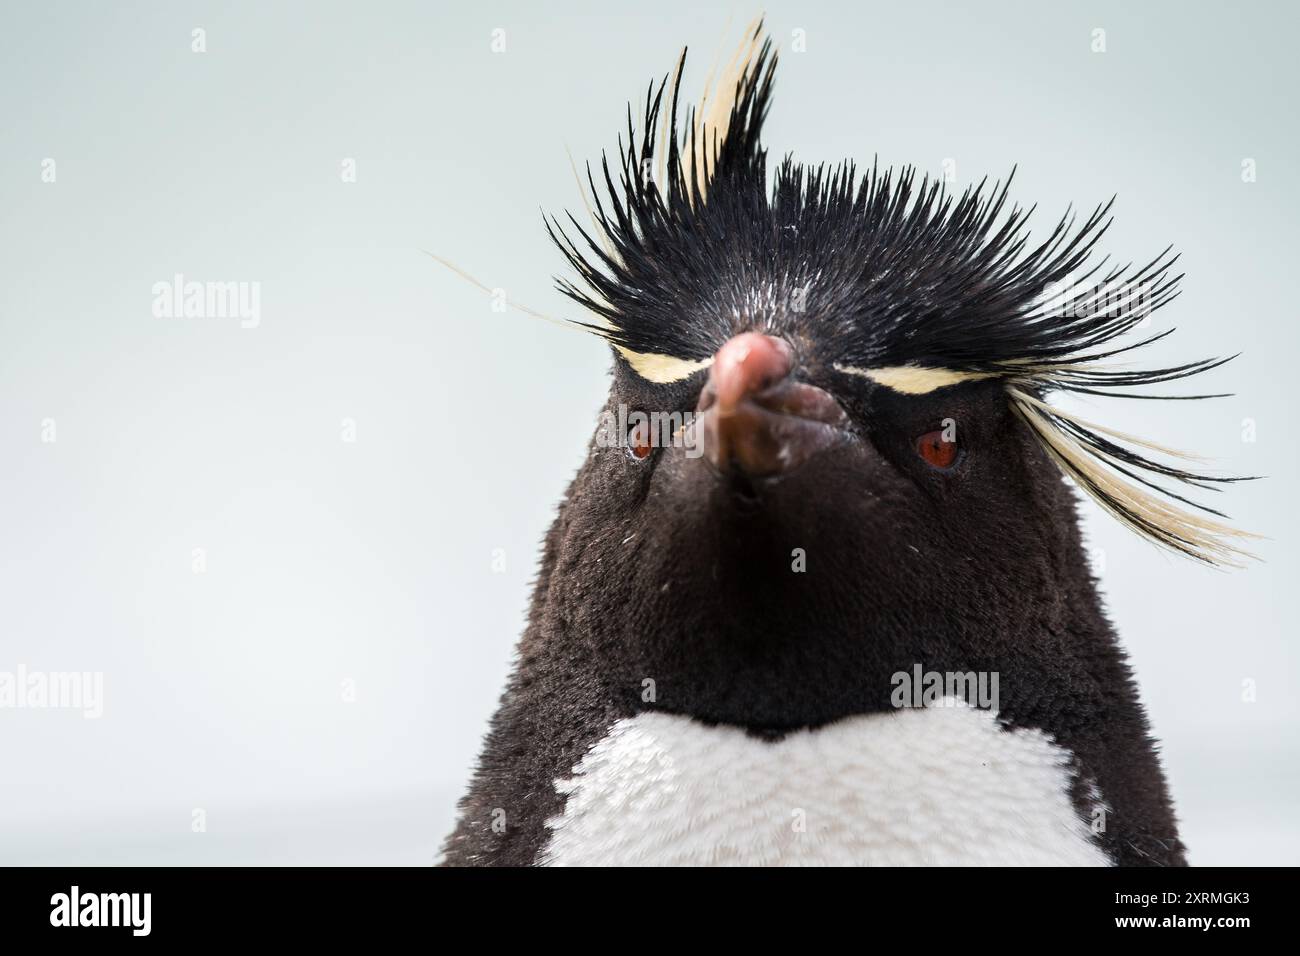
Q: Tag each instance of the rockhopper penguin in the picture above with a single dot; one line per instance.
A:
(841, 468)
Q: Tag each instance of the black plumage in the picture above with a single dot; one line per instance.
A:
(664, 568)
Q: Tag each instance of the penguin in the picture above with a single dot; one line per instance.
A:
(817, 594)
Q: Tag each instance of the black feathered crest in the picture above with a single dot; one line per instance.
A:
(904, 284)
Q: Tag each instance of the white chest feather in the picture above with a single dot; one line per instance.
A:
(935, 786)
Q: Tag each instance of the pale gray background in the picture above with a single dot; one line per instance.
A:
(371, 561)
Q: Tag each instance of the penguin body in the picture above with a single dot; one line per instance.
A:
(755, 661)
(864, 476)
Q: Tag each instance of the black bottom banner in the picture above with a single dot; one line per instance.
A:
(373, 905)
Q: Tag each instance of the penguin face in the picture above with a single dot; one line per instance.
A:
(862, 468)
(816, 543)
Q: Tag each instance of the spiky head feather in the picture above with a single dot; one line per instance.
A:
(911, 287)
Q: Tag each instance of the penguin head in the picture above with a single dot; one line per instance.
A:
(829, 449)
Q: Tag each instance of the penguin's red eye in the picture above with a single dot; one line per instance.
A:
(938, 451)
(638, 441)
